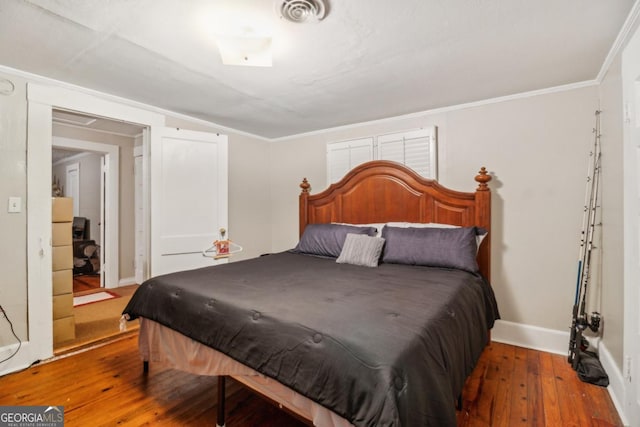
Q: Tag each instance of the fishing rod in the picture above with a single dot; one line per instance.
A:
(580, 321)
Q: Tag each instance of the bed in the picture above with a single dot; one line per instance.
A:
(376, 317)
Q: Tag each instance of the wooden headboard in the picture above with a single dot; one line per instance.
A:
(383, 191)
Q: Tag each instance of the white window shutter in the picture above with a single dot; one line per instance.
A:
(344, 156)
(414, 149)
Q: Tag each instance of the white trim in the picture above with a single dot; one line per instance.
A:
(522, 95)
(616, 387)
(126, 281)
(41, 80)
(534, 337)
(21, 360)
(39, 344)
(630, 72)
(99, 131)
(150, 108)
(71, 158)
(620, 41)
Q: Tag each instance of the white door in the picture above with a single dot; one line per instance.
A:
(72, 188)
(631, 150)
(188, 197)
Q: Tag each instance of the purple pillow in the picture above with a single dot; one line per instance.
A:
(432, 247)
(327, 239)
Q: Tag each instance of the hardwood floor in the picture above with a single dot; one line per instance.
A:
(89, 282)
(105, 386)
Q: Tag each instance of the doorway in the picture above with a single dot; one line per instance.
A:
(42, 100)
(80, 176)
(98, 205)
(92, 162)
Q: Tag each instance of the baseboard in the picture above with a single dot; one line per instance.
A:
(554, 341)
(617, 384)
(22, 359)
(533, 337)
(127, 281)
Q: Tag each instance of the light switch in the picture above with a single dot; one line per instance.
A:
(15, 205)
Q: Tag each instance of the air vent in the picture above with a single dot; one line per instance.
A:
(300, 11)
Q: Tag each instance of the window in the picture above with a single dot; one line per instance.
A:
(346, 155)
(415, 149)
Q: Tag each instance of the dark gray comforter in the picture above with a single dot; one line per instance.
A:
(385, 346)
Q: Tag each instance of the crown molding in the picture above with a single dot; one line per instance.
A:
(215, 127)
(621, 40)
(522, 95)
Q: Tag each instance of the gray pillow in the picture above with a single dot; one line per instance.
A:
(327, 239)
(432, 247)
(360, 249)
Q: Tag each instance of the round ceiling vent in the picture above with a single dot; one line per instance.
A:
(301, 10)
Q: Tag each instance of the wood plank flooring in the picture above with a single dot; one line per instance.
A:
(87, 282)
(105, 386)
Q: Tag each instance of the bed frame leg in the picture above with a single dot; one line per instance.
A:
(145, 366)
(221, 393)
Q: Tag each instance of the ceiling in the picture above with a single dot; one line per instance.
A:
(366, 60)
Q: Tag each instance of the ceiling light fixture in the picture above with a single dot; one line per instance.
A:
(300, 11)
(247, 49)
(242, 31)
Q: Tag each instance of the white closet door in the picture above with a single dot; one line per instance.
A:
(188, 197)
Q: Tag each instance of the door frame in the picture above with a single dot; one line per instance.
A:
(141, 240)
(41, 100)
(110, 205)
(631, 209)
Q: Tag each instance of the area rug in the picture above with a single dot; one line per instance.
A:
(94, 297)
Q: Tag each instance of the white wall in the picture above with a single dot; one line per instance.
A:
(536, 149)
(13, 226)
